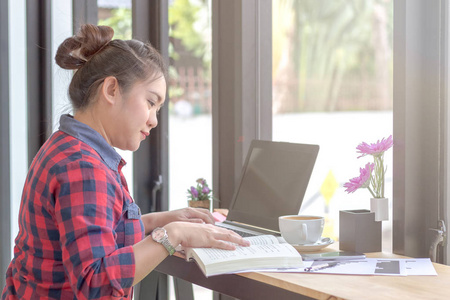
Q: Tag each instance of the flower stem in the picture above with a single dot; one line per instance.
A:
(377, 179)
(370, 190)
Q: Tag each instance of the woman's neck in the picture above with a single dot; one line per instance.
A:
(93, 118)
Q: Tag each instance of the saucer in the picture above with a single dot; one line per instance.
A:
(324, 242)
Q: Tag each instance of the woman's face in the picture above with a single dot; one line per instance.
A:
(137, 114)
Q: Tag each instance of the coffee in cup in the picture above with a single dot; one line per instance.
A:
(300, 230)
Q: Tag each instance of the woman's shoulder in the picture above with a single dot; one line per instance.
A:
(62, 150)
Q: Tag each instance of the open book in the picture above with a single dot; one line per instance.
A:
(265, 252)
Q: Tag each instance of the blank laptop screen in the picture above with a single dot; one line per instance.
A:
(273, 182)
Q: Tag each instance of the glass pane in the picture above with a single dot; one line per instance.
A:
(190, 123)
(117, 14)
(332, 86)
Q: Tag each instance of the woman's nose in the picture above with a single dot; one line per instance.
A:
(152, 119)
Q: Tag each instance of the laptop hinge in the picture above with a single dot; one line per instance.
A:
(252, 228)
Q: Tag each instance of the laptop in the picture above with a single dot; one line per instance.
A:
(273, 183)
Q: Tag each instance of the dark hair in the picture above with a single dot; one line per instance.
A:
(95, 56)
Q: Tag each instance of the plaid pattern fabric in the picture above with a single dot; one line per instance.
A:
(77, 222)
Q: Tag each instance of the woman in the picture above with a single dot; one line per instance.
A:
(80, 233)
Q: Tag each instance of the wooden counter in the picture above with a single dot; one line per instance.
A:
(280, 286)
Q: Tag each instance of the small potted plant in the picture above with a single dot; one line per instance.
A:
(200, 195)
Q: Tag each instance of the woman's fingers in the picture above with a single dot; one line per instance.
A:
(223, 245)
(204, 236)
(196, 221)
(225, 236)
(200, 213)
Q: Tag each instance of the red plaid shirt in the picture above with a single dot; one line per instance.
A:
(77, 222)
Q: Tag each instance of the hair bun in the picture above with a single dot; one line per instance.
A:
(77, 50)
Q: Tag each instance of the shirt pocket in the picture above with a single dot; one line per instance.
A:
(133, 211)
(134, 228)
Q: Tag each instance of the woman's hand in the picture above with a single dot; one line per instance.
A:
(148, 254)
(194, 235)
(188, 214)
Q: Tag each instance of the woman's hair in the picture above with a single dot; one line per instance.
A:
(95, 56)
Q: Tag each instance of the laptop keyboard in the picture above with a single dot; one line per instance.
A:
(243, 233)
(240, 232)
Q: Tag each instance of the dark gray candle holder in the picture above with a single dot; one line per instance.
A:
(358, 231)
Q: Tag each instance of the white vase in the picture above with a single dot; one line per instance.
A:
(380, 206)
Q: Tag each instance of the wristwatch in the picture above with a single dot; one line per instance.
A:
(159, 235)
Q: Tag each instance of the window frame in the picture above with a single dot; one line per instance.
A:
(241, 86)
(39, 74)
(420, 174)
(84, 11)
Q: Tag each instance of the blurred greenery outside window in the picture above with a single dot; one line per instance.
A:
(332, 55)
(190, 121)
(117, 18)
(190, 57)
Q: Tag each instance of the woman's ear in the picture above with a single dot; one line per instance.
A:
(110, 89)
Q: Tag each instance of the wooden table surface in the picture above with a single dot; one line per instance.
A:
(317, 286)
(325, 286)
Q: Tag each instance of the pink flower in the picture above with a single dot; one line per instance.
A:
(362, 181)
(194, 192)
(376, 149)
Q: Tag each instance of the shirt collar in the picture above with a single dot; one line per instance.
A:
(94, 139)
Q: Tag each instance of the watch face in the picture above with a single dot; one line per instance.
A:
(158, 234)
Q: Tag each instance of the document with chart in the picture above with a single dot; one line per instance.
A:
(371, 266)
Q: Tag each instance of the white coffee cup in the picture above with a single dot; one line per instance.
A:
(300, 230)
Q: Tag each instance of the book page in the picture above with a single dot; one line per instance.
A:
(212, 255)
(262, 239)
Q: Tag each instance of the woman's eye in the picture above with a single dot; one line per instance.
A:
(151, 102)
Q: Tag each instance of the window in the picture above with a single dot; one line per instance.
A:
(332, 86)
(190, 124)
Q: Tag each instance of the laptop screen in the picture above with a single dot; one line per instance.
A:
(273, 182)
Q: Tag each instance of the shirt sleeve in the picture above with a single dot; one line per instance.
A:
(87, 205)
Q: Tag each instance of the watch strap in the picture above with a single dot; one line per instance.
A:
(166, 243)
